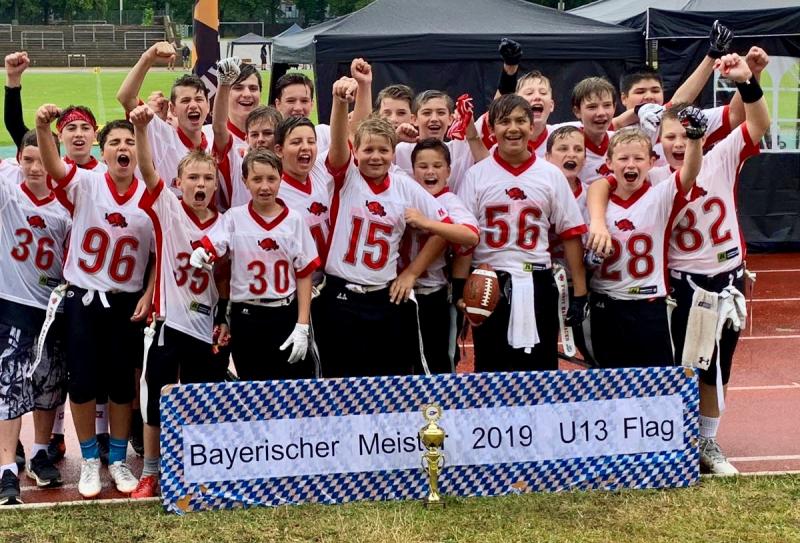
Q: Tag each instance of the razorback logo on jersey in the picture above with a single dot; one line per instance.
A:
(700, 191)
(116, 219)
(516, 193)
(268, 244)
(35, 221)
(376, 208)
(317, 208)
(624, 224)
(604, 169)
(196, 244)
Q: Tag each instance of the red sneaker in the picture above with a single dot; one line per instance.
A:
(146, 488)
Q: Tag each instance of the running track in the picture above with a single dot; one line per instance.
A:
(759, 429)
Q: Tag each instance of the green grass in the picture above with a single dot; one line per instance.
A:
(747, 509)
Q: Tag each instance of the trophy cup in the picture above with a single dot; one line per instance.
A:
(432, 437)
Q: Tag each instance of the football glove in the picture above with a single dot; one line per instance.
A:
(650, 119)
(200, 259)
(694, 122)
(577, 311)
(511, 51)
(228, 71)
(719, 40)
(299, 342)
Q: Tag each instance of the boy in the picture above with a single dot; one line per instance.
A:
(272, 258)
(517, 198)
(629, 289)
(394, 104)
(294, 96)
(593, 103)
(188, 102)
(363, 293)
(185, 298)
(244, 95)
(431, 159)
(34, 232)
(432, 116)
(105, 267)
(259, 133)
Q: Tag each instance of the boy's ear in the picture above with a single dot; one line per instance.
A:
(278, 150)
(577, 112)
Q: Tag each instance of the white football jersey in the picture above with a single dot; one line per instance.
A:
(659, 174)
(185, 296)
(707, 238)
(323, 132)
(718, 127)
(111, 237)
(538, 146)
(93, 164)
(33, 237)
(595, 166)
(639, 228)
(367, 224)
(414, 240)
(233, 191)
(460, 160)
(267, 254)
(169, 145)
(515, 208)
(10, 172)
(312, 200)
(556, 242)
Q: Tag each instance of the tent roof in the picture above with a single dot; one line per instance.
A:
(452, 29)
(298, 48)
(294, 29)
(250, 39)
(616, 11)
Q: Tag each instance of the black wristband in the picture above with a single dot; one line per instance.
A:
(507, 83)
(458, 289)
(221, 312)
(750, 91)
(715, 53)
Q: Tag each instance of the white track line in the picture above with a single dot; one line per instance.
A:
(766, 387)
(775, 300)
(791, 270)
(765, 458)
(791, 336)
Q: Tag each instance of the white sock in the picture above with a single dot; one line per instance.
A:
(12, 467)
(708, 426)
(101, 422)
(38, 447)
(58, 423)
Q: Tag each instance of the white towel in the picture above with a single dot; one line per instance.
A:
(701, 329)
(567, 339)
(522, 332)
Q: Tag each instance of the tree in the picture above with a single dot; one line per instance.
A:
(312, 11)
(343, 7)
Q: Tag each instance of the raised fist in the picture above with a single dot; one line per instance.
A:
(16, 63)
(141, 115)
(159, 104)
(344, 89)
(733, 67)
(719, 40)
(162, 50)
(361, 71)
(757, 60)
(228, 70)
(511, 51)
(694, 121)
(46, 114)
(650, 119)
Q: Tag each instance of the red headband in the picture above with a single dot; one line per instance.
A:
(75, 115)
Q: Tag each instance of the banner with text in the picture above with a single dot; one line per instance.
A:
(271, 443)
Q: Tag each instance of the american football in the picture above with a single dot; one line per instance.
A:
(481, 294)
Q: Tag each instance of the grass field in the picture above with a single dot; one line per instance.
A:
(745, 509)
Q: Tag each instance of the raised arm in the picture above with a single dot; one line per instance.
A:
(695, 123)
(51, 161)
(141, 117)
(511, 51)
(719, 41)
(16, 64)
(344, 91)
(228, 73)
(757, 60)
(361, 71)
(128, 93)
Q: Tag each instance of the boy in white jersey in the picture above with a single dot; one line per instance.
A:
(188, 102)
(105, 267)
(431, 160)
(32, 240)
(272, 259)
(593, 103)
(364, 299)
(707, 246)
(629, 288)
(394, 104)
(185, 298)
(294, 97)
(517, 198)
(432, 115)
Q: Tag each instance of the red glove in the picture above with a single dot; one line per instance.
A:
(464, 107)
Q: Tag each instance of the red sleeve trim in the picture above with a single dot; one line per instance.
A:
(574, 232)
(720, 132)
(209, 247)
(612, 182)
(683, 198)
(64, 181)
(338, 174)
(305, 272)
(751, 148)
(220, 153)
(149, 197)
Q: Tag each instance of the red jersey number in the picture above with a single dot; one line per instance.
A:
(640, 260)
(44, 257)
(499, 229)
(185, 273)
(259, 282)
(96, 244)
(376, 258)
(690, 239)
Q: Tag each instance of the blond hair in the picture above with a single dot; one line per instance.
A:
(629, 135)
(196, 155)
(533, 75)
(374, 126)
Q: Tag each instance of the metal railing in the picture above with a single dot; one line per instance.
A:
(9, 29)
(49, 36)
(143, 36)
(75, 56)
(93, 30)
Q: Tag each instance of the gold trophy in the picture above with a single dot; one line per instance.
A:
(432, 437)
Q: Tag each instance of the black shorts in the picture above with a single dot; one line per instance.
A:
(362, 335)
(257, 332)
(181, 357)
(682, 291)
(630, 333)
(434, 325)
(103, 346)
(492, 351)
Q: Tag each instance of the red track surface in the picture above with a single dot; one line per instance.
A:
(759, 429)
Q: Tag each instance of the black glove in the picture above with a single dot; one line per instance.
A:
(578, 309)
(511, 51)
(694, 121)
(719, 40)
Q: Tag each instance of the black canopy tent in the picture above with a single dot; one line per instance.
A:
(452, 45)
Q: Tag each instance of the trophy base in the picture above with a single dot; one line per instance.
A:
(433, 503)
